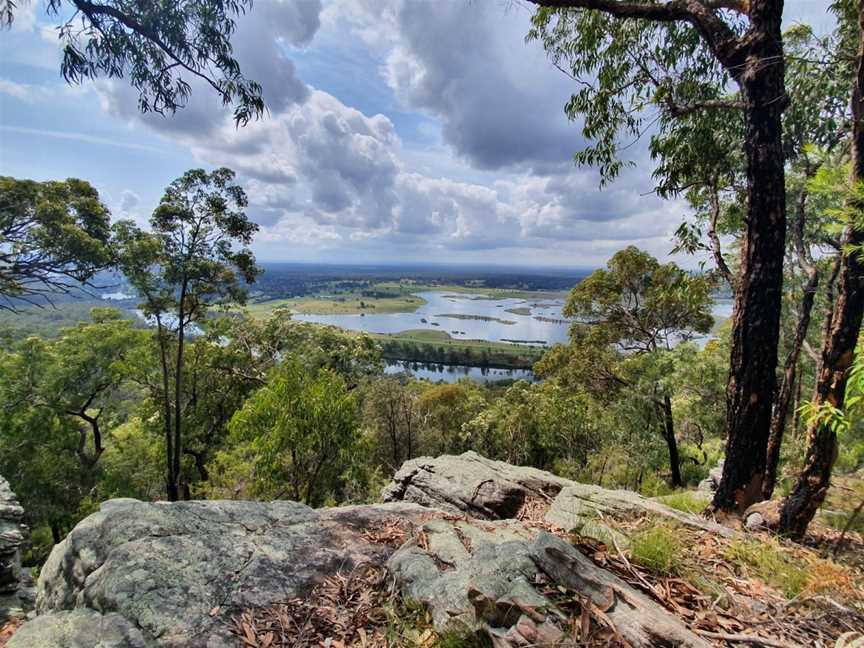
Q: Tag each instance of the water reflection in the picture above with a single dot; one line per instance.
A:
(438, 372)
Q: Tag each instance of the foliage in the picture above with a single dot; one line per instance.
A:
(190, 259)
(297, 434)
(59, 397)
(392, 410)
(629, 318)
(535, 425)
(158, 47)
(641, 70)
(446, 410)
(639, 304)
(263, 342)
(54, 237)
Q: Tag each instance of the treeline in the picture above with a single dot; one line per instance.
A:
(493, 357)
(283, 280)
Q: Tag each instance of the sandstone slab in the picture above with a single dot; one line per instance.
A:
(176, 572)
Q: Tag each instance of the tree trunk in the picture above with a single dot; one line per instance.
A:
(200, 459)
(172, 487)
(796, 404)
(838, 347)
(758, 293)
(178, 381)
(787, 383)
(669, 434)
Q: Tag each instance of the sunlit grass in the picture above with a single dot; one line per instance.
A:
(767, 559)
(657, 548)
(687, 501)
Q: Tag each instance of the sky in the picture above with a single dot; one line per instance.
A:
(398, 131)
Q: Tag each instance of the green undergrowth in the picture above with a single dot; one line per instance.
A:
(687, 501)
(409, 625)
(657, 548)
(767, 560)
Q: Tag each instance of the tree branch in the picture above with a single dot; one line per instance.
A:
(719, 36)
(682, 110)
(92, 11)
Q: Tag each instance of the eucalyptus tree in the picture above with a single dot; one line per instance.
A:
(296, 435)
(638, 307)
(53, 238)
(842, 336)
(60, 398)
(680, 58)
(195, 257)
(157, 46)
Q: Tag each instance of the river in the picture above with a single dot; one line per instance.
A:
(538, 320)
(544, 324)
(436, 372)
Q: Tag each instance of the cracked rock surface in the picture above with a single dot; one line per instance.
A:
(492, 490)
(14, 596)
(172, 574)
(472, 546)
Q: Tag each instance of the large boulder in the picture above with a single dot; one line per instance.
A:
(172, 574)
(465, 536)
(506, 578)
(494, 490)
(471, 484)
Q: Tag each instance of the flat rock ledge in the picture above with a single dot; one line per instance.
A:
(475, 548)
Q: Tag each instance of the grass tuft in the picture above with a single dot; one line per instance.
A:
(657, 548)
(767, 559)
(687, 501)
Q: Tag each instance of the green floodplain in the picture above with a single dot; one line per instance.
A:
(421, 345)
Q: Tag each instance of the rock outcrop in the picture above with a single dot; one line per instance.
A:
(712, 481)
(15, 595)
(465, 536)
(489, 575)
(488, 489)
(171, 574)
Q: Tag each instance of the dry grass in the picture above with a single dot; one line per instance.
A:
(756, 586)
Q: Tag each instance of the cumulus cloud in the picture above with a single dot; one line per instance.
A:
(325, 175)
(129, 200)
(500, 102)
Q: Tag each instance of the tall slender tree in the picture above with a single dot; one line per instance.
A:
(195, 257)
(838, 347)
(678, 56)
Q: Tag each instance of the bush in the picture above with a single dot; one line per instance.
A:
(295, 437)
